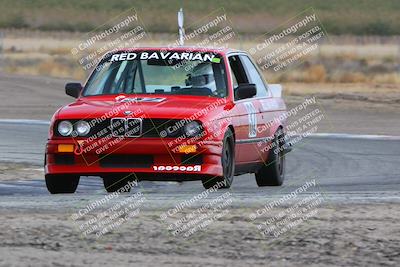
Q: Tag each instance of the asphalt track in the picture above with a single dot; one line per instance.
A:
(345, 168)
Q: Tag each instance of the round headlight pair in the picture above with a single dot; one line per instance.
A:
(65, 128)
(192, 129)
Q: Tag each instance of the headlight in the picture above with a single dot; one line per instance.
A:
(65, 128)
(82, 127)
(192, 129)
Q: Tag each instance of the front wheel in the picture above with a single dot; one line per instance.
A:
(61, 184)
(227, 162)
(272, 172)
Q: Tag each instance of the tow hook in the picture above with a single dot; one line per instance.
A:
(287, 148)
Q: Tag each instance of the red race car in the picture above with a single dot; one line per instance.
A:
(169, 114)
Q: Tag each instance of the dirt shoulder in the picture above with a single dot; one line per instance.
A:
(351, 108)
(338, 235)
(15, 171)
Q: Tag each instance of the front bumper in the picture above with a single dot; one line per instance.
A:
(147, 158)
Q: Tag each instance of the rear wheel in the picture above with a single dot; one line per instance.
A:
(227, 162)
(116, 182)
(61, 184)
(273, 171)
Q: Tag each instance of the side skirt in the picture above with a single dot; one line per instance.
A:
(247, 168)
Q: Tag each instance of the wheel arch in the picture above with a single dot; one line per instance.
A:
(276, 128)
(233, 132)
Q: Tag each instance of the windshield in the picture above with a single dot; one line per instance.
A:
(157, 72)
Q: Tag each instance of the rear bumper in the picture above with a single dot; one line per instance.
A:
(147, 158)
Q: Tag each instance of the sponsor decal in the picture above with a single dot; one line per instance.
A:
(194, 168)
(252, 116)
(165, 56)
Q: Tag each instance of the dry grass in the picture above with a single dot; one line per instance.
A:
(392, 78)
(332, 62)
(46, 67)
(315, 74)
(368, 89)
(353, 77)
(56, 69)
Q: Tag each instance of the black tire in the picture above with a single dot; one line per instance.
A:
(61, 184)
(115, 182)
(227, 162)
(272, 172)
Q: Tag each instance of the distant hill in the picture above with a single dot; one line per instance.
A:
(358, 17)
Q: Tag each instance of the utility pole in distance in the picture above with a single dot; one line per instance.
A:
(1, 49)
(181, 29)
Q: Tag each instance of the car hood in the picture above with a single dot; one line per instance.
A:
(152, 106)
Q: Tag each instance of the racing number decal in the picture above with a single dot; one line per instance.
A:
(252, 115)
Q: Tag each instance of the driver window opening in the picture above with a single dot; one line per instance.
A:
(238, 73)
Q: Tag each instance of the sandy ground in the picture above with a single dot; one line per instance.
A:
(338, 235)
(16, 171)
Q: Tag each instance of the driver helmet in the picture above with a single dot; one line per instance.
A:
(202, 75)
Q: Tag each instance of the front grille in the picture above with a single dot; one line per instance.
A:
(132, 127)
(126, 161)
(118, 127)
(155, 127)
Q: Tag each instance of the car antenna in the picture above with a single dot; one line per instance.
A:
(181, 29)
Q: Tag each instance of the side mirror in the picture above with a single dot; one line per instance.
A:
(246, 90)
(73, 89)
